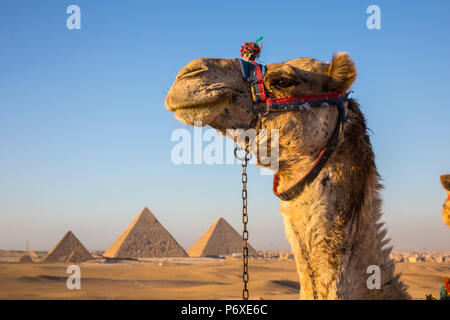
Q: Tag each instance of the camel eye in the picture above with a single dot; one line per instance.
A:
(284, 83)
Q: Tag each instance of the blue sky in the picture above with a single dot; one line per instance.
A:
(85, 138)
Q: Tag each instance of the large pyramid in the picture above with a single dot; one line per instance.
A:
(219, 239)
(68, 249)
(145, 237)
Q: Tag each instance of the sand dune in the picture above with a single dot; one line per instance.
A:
(181, 278)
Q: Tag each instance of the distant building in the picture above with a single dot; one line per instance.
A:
(413, 259)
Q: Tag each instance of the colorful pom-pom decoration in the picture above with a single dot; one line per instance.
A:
(445, 287)
(251, 50)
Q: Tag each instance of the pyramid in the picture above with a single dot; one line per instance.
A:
(68, 249)
(219, 240)
(25, 259)
(145, 237)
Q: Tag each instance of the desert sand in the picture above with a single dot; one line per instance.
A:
(180, 278)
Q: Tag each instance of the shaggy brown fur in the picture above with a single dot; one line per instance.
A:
(333, 225)
(446, 211)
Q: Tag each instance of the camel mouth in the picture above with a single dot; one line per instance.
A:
(215, 97)
(204, 111)
(445, 180)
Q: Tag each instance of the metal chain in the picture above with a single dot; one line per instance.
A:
(245, 277)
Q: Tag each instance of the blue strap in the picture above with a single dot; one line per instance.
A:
(248, 71)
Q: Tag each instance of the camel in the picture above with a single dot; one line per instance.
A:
(445, 179)
(333, 225)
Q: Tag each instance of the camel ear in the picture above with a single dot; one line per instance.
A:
(341, 72)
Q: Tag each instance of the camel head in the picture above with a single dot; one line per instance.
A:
(213, 91)
(445, 180)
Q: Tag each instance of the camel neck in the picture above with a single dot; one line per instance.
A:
(334, 230)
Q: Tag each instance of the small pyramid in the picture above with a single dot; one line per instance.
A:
(25, 259)
(69, 247)
(221, 239)
(145, 237)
